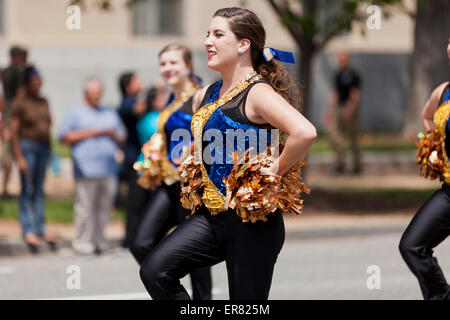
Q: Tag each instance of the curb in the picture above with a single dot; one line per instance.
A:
(343, 232)
(16, 247)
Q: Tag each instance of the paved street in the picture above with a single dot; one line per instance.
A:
(320, 268)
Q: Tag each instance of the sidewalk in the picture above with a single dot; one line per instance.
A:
(382, 171)
(306, 227)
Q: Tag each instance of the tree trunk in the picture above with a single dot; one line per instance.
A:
(307, 53)
(305, 77)
(429, 63)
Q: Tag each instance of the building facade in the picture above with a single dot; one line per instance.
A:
(123, 38)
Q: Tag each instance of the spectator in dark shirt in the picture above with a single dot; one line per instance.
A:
(13, 86)
(132, 107)
(342, 115)
(30, 127)
(2, 105)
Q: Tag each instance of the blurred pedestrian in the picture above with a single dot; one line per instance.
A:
(30, 128)
(2, 106)
(165, 210)
(13, 86)
(94, 133)
(146, 127)
(132, 107)
(342, 116)
(254, 94)
(431, 224)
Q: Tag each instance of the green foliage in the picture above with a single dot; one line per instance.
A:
(61, 149)
(56, 211)
(318, 21)
(369, 141)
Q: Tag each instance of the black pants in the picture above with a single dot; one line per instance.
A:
(163, 213)
(250, 251)
(136, 202)
(429, 227)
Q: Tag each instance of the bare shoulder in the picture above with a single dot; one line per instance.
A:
(262, 88)
(433, 101)
(261, 93)
(439, 90)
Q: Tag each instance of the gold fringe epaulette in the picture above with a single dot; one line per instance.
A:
(150, 168)
(431, 156)
(254, 195)
(156, 167)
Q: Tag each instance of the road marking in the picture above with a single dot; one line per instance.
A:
(122, 296)
(7, 270)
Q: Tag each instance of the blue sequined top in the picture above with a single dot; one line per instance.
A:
(180, 119)
(445, 98)
(223, 127)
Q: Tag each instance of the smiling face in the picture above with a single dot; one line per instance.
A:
(221, 44)
(173, 68)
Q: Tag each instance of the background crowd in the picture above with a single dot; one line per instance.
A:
(104, 142)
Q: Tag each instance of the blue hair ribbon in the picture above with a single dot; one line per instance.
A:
(283, 56)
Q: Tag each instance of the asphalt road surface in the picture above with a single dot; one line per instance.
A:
(363, 267)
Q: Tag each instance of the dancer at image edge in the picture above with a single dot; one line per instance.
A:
(431, 224)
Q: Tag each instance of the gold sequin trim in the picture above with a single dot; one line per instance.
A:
(440, 121)
(168, 171)
(213, 199)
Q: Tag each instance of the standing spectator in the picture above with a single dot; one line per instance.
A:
(30, 128)
(130, 110)
(2, 106)
(147, 125)
(13, 86)
(342, 115)
(94, 134)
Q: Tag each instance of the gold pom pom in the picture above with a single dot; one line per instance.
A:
(429, 155)
(191, 182)
(150, 167)
(254, 195)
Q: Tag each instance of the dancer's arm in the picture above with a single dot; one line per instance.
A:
(265, 105)
(431, 107)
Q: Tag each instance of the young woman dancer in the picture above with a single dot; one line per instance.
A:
(254, 93)
(165, 210)
(431, 224)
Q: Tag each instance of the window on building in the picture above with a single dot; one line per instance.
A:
(157, 17)
(2, 17)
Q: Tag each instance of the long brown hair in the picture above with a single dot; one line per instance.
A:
(187, 58)
(245, 24)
